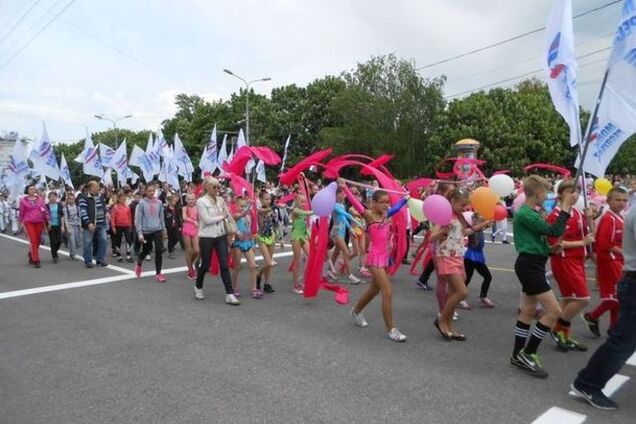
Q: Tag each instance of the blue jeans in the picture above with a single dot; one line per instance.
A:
(97, 236)
(610, 357)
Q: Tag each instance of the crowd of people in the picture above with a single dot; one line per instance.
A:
(218, 229)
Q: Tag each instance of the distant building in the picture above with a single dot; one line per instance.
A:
(7, 143)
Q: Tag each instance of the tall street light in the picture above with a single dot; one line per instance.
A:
(247, 100)
(114, 122)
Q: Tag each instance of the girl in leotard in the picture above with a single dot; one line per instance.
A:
(189, 232)
(243, 245)
(340, 218)
(266, 237)
(378, 257)
(299, 237)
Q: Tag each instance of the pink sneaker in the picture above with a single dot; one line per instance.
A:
(160, 278)
(138, 270)
(257, 294)
(486, 303)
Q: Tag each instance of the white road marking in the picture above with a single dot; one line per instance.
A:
(129, 275)
(612, 385)
(561, 416)
(632, 361)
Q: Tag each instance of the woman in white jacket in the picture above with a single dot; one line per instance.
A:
(212, 211)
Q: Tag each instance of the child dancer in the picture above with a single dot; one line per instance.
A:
(299, 237)
(173, 223)
(378, 258)
(151, 228)
(189, 231)
(340, 219)
(121, 226)
(475, 260)
(267, 224)
(609, 263)
(358, 240)
(243, 245)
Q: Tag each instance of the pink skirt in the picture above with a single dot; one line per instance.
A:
(450, 265)
(189, 230)
(378, 258)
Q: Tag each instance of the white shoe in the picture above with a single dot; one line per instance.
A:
(359, 319)
(455, 316)
(230, 299)
(198, 293)
(353, 279)
(396, 336)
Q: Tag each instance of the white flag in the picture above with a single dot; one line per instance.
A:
(88, 142)
(92, 165)
(208, 160)
(250, 166)
(240, 141)
(65, 173)
(153, 154)
(260, 171)
(107, 179)
(140, 159)
(132, 175)
(282, 164)
(43, 158)
(560, 66)
(119, 162)
(106, 154)
(17, 163)
(184, 164)
(616, 118)
(222, 158)
(161, 145)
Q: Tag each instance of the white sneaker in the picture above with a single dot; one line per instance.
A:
(353, 279)
(359, 319)
(230, 299)
(455, 316)
(396, 336)
(198, 293)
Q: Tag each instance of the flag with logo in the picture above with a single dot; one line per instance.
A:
(615, 120)
(208, 160)
(43, 157)
(140, 159)
(106, 154)
(65, 172)
(222, 157)
(119, 162)
(17, 163)
(152, 150)
(260, 171)
(560, 66)
(184, 164)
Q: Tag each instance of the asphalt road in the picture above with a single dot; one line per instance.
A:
(133, 350)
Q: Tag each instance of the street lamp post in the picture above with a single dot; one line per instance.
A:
(247, 100)
(114, 122)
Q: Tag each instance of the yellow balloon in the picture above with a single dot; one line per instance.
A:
(484, 201)
(416, 207)
(602, 186)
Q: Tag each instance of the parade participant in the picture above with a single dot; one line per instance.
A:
(475, 260)
(243, 246)
(189, 232)
(92, 209)
(54, 225)
(121, 226)
(340, 218)
(173, 223)
(72, 225)
(609, 260)
(449, 261)
(358, 241)
(377, 219)
(4, 213)
(33, 215)
(212, 211)
(299, 238)
(151, 229)
(267, 224)
(567, 261)
(530, 230)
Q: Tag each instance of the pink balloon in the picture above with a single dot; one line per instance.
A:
(519, 200)
(325, 200)
(438, 209)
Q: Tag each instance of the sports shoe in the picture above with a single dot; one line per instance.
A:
(353, 279)
(455, 316)
(486, 302)
(120, 259)
(574, 344)
(55, 260)
(560, 340)
(331, 275)
(423, 286)
(532, 364)
(464, 305)
(591, 324)
(89, 265)
(596, 398)
(147, 258)
(298, 289)
(237, 293)
(395, 335)
(269, 289)
(198, 293)
(359, 319)
(129, 259)
(515, 361)
(505, 242)
(160, 278)
(257, 294)
(230, 299)
(138, 270)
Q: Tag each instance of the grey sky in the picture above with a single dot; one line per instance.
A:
(131, 57)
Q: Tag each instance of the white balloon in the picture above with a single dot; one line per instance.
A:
(501, 184)
(556, 185)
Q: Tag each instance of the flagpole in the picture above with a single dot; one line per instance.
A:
(580, 146)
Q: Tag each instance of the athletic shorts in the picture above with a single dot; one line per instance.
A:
(569, 273)
(530, 270)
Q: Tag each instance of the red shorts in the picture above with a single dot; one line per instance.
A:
(569, 273)
(608, 272)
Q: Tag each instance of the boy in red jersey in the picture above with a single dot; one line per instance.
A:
(609, 263)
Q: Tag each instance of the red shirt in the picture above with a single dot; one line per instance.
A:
(120, 216)
(609, 233)
(575, 230)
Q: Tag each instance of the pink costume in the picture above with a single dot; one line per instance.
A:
(379, 233)
(190, 229)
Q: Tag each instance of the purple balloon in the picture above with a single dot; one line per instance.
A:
(325, 200)
(438, 209)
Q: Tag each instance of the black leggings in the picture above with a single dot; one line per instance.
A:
(157, 238)
(123, 232)
(206, 246)
(428, 270)
(482, 269)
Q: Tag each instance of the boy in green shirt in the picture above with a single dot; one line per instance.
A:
(530, 232)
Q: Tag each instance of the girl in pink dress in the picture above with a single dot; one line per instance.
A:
(378, 258)
(189, 231)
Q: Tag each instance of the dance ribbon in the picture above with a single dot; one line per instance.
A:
(378, 163)
(288, 177)
(286, 199)
(503, 171)
(563, 171)
(415, 186)
(245, 153)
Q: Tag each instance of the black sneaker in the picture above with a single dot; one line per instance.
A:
(574, 344)
(532, 364)
(592, 325)
(89, 265)
(560, 340)
(258, 282)
(269, 289)
(595, 398)
(515, 361)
